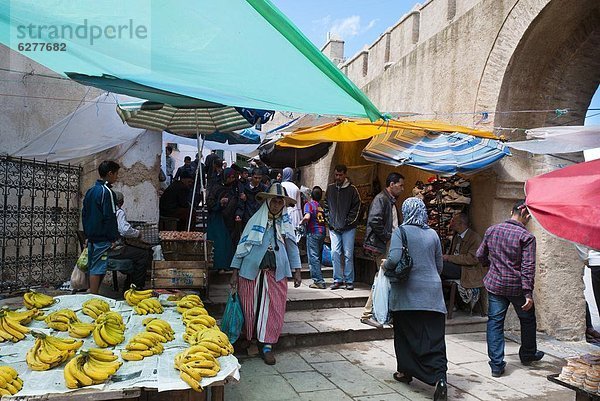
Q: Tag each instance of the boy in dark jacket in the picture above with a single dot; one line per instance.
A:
(342, 205)
(100, 222)
(248, 204)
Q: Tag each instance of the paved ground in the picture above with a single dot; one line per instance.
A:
(363, 372)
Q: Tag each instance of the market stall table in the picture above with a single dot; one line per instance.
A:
(580, 394)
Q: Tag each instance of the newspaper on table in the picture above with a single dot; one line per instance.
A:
(157, 371)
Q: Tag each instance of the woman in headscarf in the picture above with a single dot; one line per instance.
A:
(264, 259)
(417, 304)
(295, 212)
(222, 203)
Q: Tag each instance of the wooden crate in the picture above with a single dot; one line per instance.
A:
(179, 274)
(186, 250)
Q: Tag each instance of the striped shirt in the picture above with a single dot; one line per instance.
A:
(509, 251)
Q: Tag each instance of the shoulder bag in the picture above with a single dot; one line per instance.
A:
(402, 269)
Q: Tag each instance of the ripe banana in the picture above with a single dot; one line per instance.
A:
(160, 327)
(49, 351)
(10, 382)
(148, 305)
(61, 319)
(87, 369)
(24, 317)
(11, 329)
(142, 345)
(80, 329)
(133, 296)
(194, 363)
(95, 307)
(188, 302)
(38, 300)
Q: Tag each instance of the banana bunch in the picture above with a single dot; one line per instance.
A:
(194, 363)
(214, 340)
(133, 296)
(95, 307)
(61, 319)
(49, 351)
(188, 302)
(142, 345)
(81, 329)
(159, 326)
(24, 317)
(11, 329)
(37, 300)
(193, 313)
(10, 382)
(93, 366)
(196, 324)
(109, 330)
(148, 305)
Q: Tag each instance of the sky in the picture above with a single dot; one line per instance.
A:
(360, 23)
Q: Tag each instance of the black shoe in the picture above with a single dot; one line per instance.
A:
(536, 357)
(402, 377)
(335, 286)
(441, 391)
(350, 287)
(497, 373)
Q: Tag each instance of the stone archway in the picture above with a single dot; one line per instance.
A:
(546, 57)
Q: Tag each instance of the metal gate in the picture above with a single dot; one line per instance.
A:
(39, 218)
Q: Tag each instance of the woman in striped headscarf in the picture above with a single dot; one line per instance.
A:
(264, 259)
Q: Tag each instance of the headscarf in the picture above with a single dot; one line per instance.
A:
(287, 175)
(258, 225)
(414, 212)
(228, 172)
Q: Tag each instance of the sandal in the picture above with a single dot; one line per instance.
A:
(402, 377)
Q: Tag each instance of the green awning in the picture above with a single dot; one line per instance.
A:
(242, 53)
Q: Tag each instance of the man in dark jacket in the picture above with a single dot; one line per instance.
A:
(382, 221)
(342, 205)
(100, 222)
(175, 201)
(248, 204)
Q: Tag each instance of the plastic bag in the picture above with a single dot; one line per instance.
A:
(82, 261)
(79, 279)
(326, 256)
(233, 318)
(381, 296)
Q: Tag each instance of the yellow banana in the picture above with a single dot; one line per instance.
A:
(12, 389)
(4, 391)
(108, 367)
(70, 379)
(100, 342)
(201, 364)
(95, 374)
(17, 383)
(17, 335)
(103, 355)
(131, 356)
(194, 384)
(64, 343)
(191, 372)
(49, 354)
(33, 362)
(136, 346)
(80, 329)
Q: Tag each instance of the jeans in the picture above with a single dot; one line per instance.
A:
(498, 306)
(314, 247)
(342, 242)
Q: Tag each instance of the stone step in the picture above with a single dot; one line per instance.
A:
(301, 298)
(342, 325)
(223, 277)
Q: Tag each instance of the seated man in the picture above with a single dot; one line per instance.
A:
(461, 262)
(175, 201)
(139, 257)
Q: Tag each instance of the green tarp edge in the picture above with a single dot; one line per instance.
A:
(286, 28)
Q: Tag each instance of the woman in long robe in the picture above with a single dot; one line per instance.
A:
(264, 260)
(295, 211)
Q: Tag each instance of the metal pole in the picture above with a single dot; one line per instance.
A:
(198, 168)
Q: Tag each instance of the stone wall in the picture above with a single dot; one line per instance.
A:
(450, 60)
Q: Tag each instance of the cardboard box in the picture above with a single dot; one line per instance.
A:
(179, 274)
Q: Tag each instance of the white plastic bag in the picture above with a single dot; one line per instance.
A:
(79, 279)
(381, 296)
(157, 253)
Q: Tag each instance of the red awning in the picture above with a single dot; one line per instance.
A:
(566, 202)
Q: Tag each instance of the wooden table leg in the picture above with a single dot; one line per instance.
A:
(217, 393)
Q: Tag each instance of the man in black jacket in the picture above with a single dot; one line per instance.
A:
(382, 221)
(342, 205)
(248, 204)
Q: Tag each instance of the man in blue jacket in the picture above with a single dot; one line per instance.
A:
(100, 222)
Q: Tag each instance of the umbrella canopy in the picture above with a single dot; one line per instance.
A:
(356, 130)
(436, 152)
(242, 53)
(566, 202)
(182, 121)
(277, 157)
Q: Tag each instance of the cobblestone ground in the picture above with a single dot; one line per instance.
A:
(363, 372)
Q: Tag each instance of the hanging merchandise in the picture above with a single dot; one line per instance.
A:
(443, 198)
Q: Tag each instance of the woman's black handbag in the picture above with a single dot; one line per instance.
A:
(268, 261)
(401, 271)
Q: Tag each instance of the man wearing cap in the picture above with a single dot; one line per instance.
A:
(175, 201)
(342, 205)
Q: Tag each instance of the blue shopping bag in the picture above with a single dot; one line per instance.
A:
(233, 318)
(326, 256)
